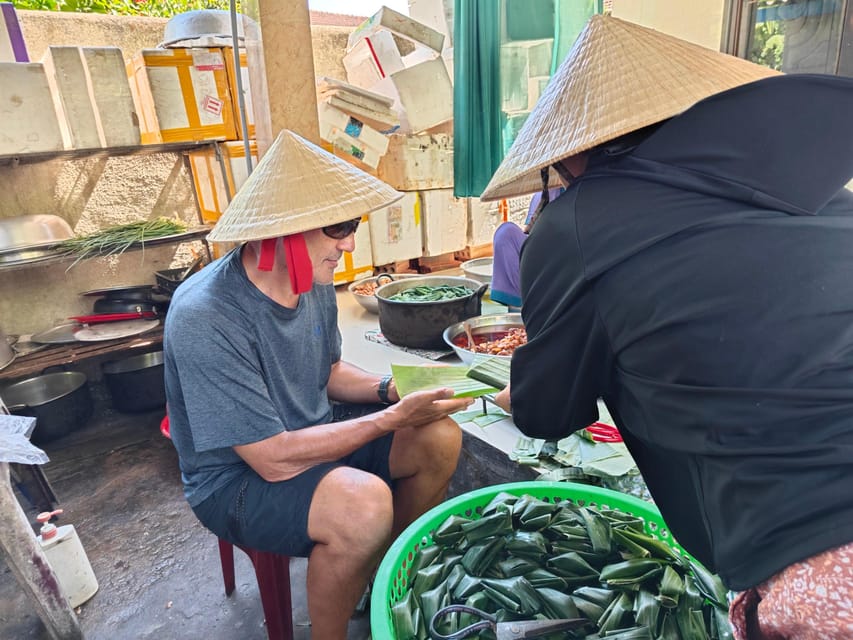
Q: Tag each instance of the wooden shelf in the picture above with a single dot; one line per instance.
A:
(71, 353)
(198, 233)
(105, 152)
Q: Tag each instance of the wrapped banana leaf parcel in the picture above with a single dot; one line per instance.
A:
(524, 558)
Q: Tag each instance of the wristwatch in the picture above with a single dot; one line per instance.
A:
(382, 391)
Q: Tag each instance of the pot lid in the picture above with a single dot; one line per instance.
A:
(61, 334)
(125, 292)
(115, 330)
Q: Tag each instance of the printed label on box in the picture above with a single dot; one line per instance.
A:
(208, 61)
(395, 223)
(212, 105)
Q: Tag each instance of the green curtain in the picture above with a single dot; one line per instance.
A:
(477, 143)
(492, 68)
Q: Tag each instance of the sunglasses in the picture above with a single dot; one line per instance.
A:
(341, 230)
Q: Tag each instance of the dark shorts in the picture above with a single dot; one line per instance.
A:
(273, 516)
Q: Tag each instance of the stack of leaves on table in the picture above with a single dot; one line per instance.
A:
(528, 559)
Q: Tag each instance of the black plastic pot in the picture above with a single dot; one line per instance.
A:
(420, 325)
(136, 383)
(60, 402)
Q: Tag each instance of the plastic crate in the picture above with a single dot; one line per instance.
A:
(392, 578)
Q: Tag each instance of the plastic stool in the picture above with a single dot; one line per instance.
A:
(273, 573)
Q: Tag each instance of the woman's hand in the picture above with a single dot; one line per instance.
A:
(503, 400)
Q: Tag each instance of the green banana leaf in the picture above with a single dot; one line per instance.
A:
(556, 604)
(495, 524)
(411, 378)
(631, 573)
(671, 588)
(401, 615)
(516, 595)
(479, 557)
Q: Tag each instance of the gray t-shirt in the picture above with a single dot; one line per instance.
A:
(240, 368)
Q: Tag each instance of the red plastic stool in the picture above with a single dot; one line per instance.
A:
(272, 571)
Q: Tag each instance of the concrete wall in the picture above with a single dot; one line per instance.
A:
(96, 192)
(699, 21)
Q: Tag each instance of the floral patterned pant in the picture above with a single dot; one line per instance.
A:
(809, 600)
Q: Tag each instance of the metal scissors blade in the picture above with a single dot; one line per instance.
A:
(516, 630)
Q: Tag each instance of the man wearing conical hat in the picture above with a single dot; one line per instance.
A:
(283, 447)
(696, 277)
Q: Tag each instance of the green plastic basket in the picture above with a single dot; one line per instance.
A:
(392, 578)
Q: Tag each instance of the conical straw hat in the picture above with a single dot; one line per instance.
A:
(619, 77)
(297, 186)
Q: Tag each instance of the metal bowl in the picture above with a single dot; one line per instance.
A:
(479, 269)
(484, 327)
(24, 232)
(370, 303)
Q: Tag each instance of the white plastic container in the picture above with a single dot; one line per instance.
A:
(68, 559)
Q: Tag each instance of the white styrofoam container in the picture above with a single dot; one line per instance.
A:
(12, 45)
(214, 190)
(437, 14)
(483, 219)
(399, 24)
(359, 262)
(352, 147)
(69, 87)
(331, 118)
(28, 120)
(425, 95)
(415, 162)
(445, 222)
(115, 111)
(182, 95)
(372, 59)
(395, 231)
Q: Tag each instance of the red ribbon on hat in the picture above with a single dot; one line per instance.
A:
(299, 267)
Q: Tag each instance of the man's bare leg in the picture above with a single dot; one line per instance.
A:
(422, 461)
(350, 519)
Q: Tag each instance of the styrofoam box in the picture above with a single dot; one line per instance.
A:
(415, 162)
(182, 95)
(445, 222)
(400, 24)
(228, 54)
(372, 59)
(28, 120)
(210, 184)
(352, 147)
(115, 111)
(12, 45)
(425, 95)
(483, 219)
(395, 231)
(69, 87)
(332, 118)
(516, 209)
(359, 262)
(437, 14)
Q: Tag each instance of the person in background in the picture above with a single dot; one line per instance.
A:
(284, 447)
(696, 276)
(506, 248)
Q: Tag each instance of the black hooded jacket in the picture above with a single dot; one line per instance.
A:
(701, 283)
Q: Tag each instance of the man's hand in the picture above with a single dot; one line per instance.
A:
(420, 408)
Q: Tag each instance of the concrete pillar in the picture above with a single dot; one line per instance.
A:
(289, 69)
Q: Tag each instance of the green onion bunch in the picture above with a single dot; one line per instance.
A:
(116, 239)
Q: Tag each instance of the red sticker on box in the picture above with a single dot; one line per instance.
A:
(212, 105)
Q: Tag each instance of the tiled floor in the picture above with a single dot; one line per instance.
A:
(157, 567)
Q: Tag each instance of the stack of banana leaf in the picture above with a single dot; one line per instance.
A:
(528, 559)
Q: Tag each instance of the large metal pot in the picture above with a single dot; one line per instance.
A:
(136, 383)
(60, 402)
(420, 325)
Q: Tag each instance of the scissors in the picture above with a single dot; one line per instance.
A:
(503, 630)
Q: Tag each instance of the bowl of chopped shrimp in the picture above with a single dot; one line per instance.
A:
(364, 289)
(497, 335)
